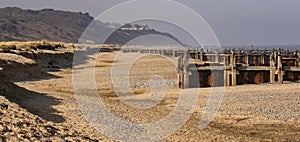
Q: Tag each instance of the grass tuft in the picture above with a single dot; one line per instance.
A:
(33, 45)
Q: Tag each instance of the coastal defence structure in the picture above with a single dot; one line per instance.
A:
(213, 68)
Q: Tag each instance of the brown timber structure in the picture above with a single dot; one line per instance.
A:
(204, 68)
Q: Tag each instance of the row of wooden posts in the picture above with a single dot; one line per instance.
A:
(232, 66)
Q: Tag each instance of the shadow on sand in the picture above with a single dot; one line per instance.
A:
(35, 103)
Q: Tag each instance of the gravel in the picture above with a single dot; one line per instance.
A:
(282, 102)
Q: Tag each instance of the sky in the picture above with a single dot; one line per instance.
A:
(235, 22)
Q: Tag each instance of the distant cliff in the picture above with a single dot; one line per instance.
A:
(129, 32)
(47, 24)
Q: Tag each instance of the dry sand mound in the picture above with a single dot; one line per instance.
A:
(27, 115)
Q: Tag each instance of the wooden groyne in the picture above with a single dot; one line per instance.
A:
(211, 68)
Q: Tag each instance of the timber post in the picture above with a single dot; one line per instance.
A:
(297, 59)
(180, 72)
(272, 65)
(186, 69)
(201, 56)
(162, 52)
(226, 72)
(174, 53)
(196, 54)
(217, 56)
(247, 58)
(262, 57)
(233, 69)
(279, 70)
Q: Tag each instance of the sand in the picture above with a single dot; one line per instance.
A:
(45, 109)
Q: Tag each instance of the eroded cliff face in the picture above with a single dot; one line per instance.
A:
(27, 66)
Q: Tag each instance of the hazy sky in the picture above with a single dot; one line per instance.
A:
(235, 22)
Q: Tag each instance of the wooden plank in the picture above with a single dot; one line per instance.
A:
(286, 68)
(255, 68)
(202, 68)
